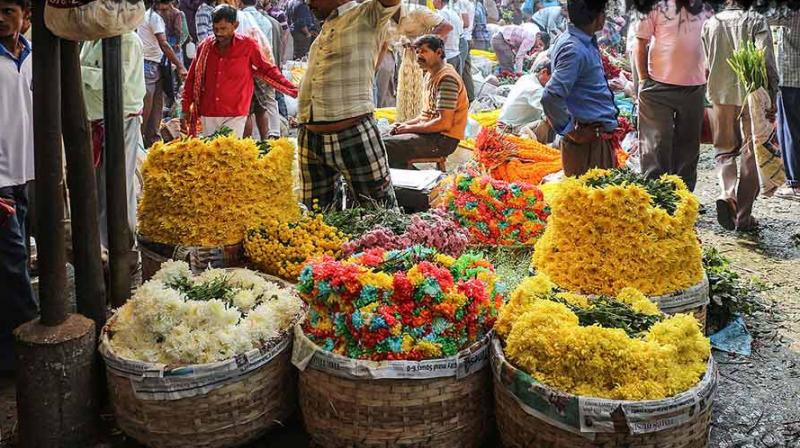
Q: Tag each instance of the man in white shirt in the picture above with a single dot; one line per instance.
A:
(155, 47)
(452, 46)
(17, 305)
(523, 107)
(467, 10)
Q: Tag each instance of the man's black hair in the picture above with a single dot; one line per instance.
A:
(249, 2)
(24, 5)
(224, 12)
(584, 12)
(432, 41)
(545, 39)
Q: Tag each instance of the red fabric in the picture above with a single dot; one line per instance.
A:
(7, 210)
(222, 85)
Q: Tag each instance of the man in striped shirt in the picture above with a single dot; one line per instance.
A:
(441, 126)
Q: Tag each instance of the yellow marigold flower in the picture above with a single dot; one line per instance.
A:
(429, 349)
(638, 301)
(445, 260)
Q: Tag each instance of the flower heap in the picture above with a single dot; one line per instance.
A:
(435, 229)
(282, 248)
(496, 212)
(568, 342)
(207, 192)
(390, 305)
(177, 319)
(515, 159)
(612, 229)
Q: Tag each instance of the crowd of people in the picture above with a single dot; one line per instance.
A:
(199, 66)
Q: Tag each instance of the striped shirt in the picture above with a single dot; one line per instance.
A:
(341, 63)
(202, 20)
(522, 38)
(447, 96)
(788, 41)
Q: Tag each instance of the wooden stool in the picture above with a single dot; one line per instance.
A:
(439, 161)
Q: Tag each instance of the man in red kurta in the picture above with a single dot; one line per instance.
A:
(219, 86)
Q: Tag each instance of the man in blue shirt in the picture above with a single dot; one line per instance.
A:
(577, 100)
(302, 25)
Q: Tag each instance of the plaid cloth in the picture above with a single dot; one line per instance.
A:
(357, 154)
(261, 93)
(788, 46)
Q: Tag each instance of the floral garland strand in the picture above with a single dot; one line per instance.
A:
(410, 304)
(545, 337)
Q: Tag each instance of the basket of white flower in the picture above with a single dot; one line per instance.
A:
(202, 361)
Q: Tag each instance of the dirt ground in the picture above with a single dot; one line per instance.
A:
(758, 401)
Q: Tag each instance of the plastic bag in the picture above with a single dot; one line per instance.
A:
(82, 20)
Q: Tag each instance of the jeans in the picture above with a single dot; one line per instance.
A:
(17, 304)
(789, 133)
(153, 103)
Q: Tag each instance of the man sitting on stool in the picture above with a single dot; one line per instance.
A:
(438, 130)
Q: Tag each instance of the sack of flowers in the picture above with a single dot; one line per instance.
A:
(612, 229)
(201, 195)
(394, 351)
(576, 371)
(202, 361)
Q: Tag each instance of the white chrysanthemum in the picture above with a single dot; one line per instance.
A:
(172, 270)
(247, 279)
(244, 299)
(211, 274)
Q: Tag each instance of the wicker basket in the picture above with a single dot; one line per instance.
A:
(530, 414)
(223, 404)
(199, 258)
(693, 299)
(442, 412)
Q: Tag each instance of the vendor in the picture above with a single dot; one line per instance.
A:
(552, 19)
(523, 107)
(513, 43)
(441, 126)
(338, 135)
(577, 100)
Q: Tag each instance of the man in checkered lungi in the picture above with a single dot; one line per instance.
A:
(338, 134)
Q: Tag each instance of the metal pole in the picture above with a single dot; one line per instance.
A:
(48, 162)
(119, 235)
(89, 282)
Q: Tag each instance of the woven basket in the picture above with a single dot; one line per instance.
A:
(693, 299)
(445, 412)
(223, 404)
(551, 419)
(199, 258)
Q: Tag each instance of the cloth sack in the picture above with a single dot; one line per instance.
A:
(86, 20)
(765, 143)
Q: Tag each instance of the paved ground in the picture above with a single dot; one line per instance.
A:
(759, 397)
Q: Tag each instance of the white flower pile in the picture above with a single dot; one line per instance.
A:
(161, 324)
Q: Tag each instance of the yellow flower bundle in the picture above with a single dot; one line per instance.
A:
(282, 248)
(486, 119)
(483, 54)
(544, 337)
(600, 240)
(207, 193)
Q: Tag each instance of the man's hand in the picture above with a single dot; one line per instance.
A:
(182, 72)
(584, 134)
(400, 128)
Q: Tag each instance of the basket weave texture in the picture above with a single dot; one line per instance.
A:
(520, 429)
(693, 300)
(199, 258)
(231, 415)
(439, 412)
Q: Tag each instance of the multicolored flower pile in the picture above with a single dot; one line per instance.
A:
(207, 192)
(560, 341)
(282, 248)
(179, 319)
(435, 229)
(411, 304)
(496, 212)
(612, 229)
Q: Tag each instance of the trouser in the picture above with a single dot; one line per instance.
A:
(404, 148)
(264, 101)
(733, 140)
(215, 124)
(670, 125)
(133, 146)
(504, 52)
(357, 154)
(301, 44)
(17, 304)
(466, 68)
(789, 133)
(480, 44)
(577, 158)
(153, 103)
(456, 62)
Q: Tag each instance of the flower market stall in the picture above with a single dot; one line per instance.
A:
(202, 360)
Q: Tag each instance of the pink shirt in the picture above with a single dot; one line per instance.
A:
(676, 48)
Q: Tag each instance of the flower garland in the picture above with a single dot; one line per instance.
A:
(496, 212)
(206, 193)
(515, 159)
(434, 228)
(282, 248)
(546, 338)
(389, 305)
(177, 319)
(602, 239)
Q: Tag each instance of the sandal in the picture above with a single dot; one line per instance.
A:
(726, 213)
(751, 226)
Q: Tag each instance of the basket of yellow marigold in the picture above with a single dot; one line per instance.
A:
(612, 229)
(202, 360)
(575, 371)
(200, 196)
